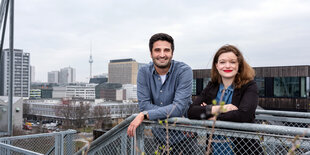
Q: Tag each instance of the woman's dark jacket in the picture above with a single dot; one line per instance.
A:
(245, 99)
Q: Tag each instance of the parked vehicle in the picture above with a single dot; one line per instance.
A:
(27, 127)
(29, 123)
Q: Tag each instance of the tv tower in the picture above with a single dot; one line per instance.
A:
(90, 61)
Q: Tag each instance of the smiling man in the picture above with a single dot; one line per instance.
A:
(164, 89)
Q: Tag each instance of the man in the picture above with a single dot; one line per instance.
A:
(164, 88)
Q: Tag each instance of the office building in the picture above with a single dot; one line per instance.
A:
(67, 75)
(32, 74)
(99, 79)
(53, 77)
(110, 92)
(85, 91)
(131, 92)
(21, 73)
(35, 94)
(123, 71)
(52, 109)
(58, 92)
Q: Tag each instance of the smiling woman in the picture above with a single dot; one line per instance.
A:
(232, 82)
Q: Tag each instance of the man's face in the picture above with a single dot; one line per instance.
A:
(162, 54)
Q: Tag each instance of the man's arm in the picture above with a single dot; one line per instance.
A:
(144, 97)
(181, 101)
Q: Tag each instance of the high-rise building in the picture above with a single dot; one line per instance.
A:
(32, 74)
(67, 75)
(123, 71)
(53, 77)
(21, 74)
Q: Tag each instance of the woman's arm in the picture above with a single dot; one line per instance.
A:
(200, 109)
(246, 108)
(197, 110)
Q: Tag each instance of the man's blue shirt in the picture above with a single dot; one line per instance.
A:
(171, 98)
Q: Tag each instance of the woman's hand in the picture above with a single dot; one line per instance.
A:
(226, 107)
(230, 107)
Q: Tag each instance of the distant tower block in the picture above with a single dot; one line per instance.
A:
(90, 62)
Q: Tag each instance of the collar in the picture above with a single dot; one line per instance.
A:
(169, 71)
(230, 88)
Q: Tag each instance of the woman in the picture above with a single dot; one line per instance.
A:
(232, 81)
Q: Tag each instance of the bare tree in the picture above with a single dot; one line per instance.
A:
(65, 111)
(81, 114)
(102, 116)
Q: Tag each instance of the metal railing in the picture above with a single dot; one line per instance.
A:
(193, 136)
(58, 143)
(284, 118)
(274, 132)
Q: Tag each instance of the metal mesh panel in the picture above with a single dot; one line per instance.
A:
(39, 144)
(226, 142)
(116, 145)
(11, 152)
(283, 123)
(195, 139)
(43, 143)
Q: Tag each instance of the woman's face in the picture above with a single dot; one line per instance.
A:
(227, 65)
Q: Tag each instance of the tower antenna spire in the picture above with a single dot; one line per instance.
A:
(90, 61)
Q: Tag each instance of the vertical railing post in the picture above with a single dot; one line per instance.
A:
(140, 138)
(70, 147)
(59, 149)
(132, 146)
(124, 143)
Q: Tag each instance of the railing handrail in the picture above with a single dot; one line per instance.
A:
(282, 119)
(70, 131)
(100, 140)
(273, 129)
(283, 113)
(18, 149)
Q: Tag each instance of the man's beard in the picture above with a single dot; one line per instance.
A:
(160, 65)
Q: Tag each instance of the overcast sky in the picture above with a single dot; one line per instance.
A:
(58, 33)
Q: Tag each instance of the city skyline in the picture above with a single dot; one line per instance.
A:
(57, 34)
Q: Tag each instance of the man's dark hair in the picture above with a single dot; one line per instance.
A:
(163, 37)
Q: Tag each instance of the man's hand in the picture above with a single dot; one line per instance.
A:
(134, 124)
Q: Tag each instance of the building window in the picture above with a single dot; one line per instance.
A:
(194, 87)
(303, 87)
(260, 81)
(289, 87)
(205, 82)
